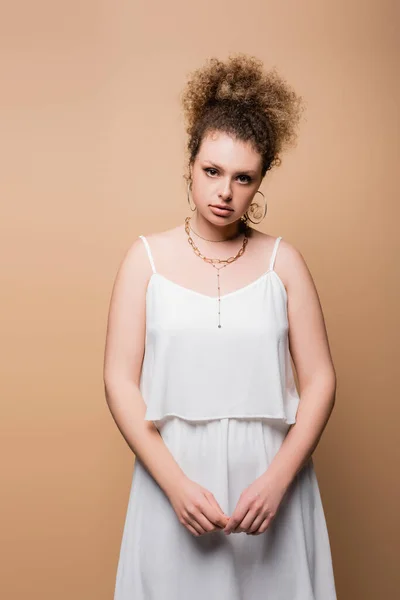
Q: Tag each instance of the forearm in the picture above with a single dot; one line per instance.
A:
(315, 407)
(128, 409)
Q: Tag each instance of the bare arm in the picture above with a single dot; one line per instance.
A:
(123, 359)
(309, 348)
(194, 505)
(311, 355)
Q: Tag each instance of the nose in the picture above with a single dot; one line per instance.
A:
(225, 192)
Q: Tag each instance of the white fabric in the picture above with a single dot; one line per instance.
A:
(223, 400)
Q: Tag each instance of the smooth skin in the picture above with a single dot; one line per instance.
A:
(225, 171)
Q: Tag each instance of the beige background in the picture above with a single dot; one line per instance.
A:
(92, 156)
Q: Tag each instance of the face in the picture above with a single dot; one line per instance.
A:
(226, 172)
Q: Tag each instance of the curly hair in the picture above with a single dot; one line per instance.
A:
(238, 97)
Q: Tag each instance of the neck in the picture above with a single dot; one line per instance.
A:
(214, 232)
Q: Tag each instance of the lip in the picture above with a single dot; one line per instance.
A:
(221, 207)
(220, 212)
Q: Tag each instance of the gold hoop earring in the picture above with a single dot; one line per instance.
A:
(188, 198)
(246, 216)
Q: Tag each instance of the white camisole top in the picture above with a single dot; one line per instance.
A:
(196, 371)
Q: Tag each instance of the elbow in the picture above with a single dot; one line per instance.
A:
(329, 381)
(333, 385)
(112, 386)
(109, 390)
(112, 378)
(116, 384)
(323, 383)
(107, 381)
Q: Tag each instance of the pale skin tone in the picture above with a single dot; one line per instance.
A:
(225, 171)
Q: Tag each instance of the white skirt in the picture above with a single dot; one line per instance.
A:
(161, 560)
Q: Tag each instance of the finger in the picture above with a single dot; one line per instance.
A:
(192, 530)
(216, 515)
(238, 516)
(255, 524)
(222, 519)
(212, 514)
(205, 523)
(196, 525)
(263, 527)
(189, 523)
(247, 522)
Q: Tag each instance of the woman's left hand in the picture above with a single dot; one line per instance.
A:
(257, 506)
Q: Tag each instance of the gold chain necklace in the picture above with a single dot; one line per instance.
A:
(212, 261)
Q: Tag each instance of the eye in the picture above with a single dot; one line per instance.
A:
(248, 179)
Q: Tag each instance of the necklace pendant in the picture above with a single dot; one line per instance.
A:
(219, 301)
(212, 261)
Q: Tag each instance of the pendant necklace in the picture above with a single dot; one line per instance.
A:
(216, 261)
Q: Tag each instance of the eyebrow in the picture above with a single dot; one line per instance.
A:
(244, 171)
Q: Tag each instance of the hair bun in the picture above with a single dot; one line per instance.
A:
(238, 84)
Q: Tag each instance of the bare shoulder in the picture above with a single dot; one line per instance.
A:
(166, 236)
(308, 338)
(289, 261)
(292, 267)
(166, 244)
(136, 261)
(137, 251)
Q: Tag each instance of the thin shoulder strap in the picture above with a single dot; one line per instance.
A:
(275, 250)
(149, 254)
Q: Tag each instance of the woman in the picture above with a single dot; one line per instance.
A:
(198, 373)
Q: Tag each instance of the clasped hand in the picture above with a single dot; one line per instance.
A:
(257, 507)
(198, 510)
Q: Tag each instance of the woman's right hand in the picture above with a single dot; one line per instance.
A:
(196, 508)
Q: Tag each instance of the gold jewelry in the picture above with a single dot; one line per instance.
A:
(188, 198)
(224, 262)
(254, 204)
